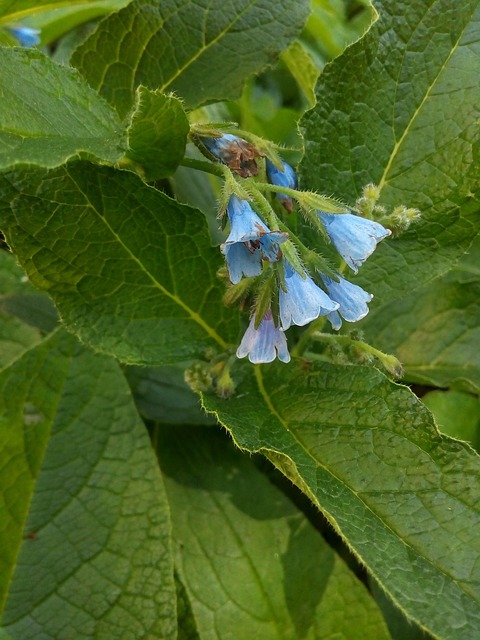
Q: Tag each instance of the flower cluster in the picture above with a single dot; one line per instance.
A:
(251, 244)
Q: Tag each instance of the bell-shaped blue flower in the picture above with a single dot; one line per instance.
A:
(303, 301)
(264, 344)
(238, 154)
(285, 178)
(353, 301)
(250, 241)
(26, 36)
(355, 238)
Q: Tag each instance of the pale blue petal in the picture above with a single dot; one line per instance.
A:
(335, 320)
(353, 300)
(355, 238)
(250, 241)
(218, 146)
(245, 224)
(285, 178)
(303, 301)
(262, 344)
(241, 261)
(26, 36)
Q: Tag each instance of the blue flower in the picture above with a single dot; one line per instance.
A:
(303, 301)
(353, 301)
(265, 343)
(238, 154)
(285, 178)
(250, 241)
(26, 36)
(355, 238)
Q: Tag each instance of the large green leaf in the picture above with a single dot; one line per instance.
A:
(248, 559)
(435, 333)
(405, 498)
(50, 114)
(400, 108)
(203, 50)
(84, 526)
(435, 330)
(131, 271)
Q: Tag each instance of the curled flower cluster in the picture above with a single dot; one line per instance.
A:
(251, 243)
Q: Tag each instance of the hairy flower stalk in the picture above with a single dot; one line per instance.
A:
(289, 295)
(264, 344)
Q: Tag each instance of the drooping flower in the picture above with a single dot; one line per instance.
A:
(353, 301)
(26, 36)
(355, 238)
(238, 154)
(303, 301)
(264, 344)
(285, 178)
(250, 241)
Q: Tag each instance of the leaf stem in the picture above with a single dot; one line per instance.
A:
(202, 165)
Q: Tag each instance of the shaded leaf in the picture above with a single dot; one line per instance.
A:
(367, 452)
(457, 414)
(162, 395)
(434, 332)
(400, 108)
(50, 114)
(248, 559)
(157, 135)
(20, 299)
(131, 271)
(203, 50)
(95, 554)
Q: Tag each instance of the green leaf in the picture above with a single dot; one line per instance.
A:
(11, 10)
(434, 332)
(20, 299)
(158, 133)
(377, 120)
(303, 69)
(257, 566)
(131, 271)
(96, 531)
(201, 50)
(367, 452)
(50, 114)
(162, 395)
(15, 338)
(456, 413)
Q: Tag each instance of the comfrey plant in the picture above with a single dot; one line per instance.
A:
(230, 406)
(284, 292)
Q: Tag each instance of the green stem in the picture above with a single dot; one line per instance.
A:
(306, 336)
(391, 363)
(202, 165)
